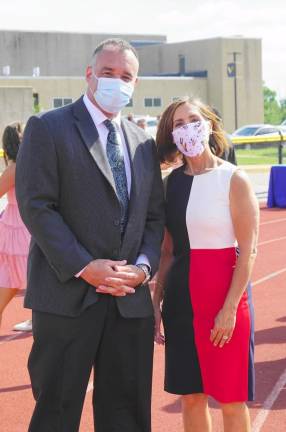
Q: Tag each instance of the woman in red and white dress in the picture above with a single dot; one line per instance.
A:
(207, 312)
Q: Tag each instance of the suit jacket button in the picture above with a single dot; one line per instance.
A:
(116, 222)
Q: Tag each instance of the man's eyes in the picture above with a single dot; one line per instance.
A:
(126, 78)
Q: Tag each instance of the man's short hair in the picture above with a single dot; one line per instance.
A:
(121, 44)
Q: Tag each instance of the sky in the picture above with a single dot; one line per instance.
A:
(179, 20)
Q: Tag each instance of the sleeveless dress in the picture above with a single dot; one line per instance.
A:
(14, 245)
(199, 222)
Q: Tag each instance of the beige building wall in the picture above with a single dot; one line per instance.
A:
(49, 88)
(64, 56)
(249, 104)
(16, 105)
(199, 56)
(166, 89)
(56, 53)
(213, 56)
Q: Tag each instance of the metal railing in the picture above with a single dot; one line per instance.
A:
(278, 141)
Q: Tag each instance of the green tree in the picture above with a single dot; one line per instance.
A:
(273, 112)
(283, 109)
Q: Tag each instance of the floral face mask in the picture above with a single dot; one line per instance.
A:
(192, 138)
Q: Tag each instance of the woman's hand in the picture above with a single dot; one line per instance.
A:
(224, 325)
(158, 335)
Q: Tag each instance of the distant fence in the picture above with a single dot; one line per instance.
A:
(259, 142)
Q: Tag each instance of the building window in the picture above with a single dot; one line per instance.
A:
(59, 102)
(67, 101)
(152, 102)
(157, 102)
(130, 103)
(148, 102)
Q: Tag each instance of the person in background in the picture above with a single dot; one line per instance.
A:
(14, 237)
(229, 152)
(142, 123)
(204, 285)
(89, 189)
(130, 117)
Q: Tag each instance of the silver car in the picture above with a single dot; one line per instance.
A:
(258, 130)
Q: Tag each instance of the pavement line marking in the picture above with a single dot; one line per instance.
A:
(271, 241)
(9, 338)
(268, 403)
(270, 276)
(273, 221)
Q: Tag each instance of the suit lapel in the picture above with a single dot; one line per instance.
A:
(90, 137)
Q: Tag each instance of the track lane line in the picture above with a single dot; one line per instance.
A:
(268, 403)
(271, 241)
(273, 221)
(269, 276)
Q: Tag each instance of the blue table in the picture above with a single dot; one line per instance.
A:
(277, 187)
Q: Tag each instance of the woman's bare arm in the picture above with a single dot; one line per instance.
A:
(245, 218)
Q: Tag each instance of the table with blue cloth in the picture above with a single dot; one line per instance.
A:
(277, 187)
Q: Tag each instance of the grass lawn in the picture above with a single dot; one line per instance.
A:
(266, 156)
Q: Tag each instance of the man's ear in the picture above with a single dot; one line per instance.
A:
(88, 73)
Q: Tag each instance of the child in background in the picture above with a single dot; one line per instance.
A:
(14, 237)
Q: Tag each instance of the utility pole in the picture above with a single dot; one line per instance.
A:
(235, 88)
(232, 73)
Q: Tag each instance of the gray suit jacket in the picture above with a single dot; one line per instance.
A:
(66, 196)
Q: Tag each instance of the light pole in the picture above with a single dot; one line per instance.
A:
(232, 73)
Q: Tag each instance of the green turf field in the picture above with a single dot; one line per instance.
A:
(266, 156)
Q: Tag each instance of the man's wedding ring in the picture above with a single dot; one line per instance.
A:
(225, 337)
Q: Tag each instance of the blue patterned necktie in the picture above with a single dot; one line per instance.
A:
(116, 161)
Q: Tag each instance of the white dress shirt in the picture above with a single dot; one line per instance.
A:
(98, 118)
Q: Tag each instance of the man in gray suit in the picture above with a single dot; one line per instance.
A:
(90, 192)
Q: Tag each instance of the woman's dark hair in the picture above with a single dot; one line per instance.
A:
(11, 139)
(167, 150)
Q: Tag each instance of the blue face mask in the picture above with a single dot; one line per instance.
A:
(112, 94)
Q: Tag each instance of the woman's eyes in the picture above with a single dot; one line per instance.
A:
(179, 124)
(176, 125)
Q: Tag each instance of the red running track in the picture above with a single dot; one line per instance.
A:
(268, 412)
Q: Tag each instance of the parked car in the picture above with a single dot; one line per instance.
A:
(258, 130)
